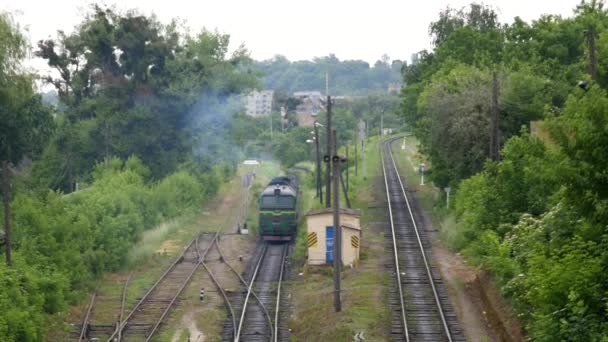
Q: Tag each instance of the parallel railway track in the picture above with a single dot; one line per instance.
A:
(421, 310)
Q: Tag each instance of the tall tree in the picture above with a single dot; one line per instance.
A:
(592, 17)
(24, 122)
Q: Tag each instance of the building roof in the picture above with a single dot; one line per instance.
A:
(343, 211)
(349, 226)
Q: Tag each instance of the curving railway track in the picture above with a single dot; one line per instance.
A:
(421, 310)
(260, 320)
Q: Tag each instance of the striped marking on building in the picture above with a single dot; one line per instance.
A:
(354, 241)
(312, 239)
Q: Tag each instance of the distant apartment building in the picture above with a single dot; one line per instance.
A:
(259, 103)
(309, 107)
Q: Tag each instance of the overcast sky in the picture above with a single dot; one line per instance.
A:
(351, 29)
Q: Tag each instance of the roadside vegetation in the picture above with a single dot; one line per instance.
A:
(532, 213)
(137, 137)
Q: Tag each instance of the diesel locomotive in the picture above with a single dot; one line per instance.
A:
(279, 209)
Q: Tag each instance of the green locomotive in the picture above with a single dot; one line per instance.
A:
(279, 209)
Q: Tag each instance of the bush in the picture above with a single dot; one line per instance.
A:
(176, 193)
(63, 242)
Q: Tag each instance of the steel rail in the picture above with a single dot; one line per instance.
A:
(85, 322)
(395, 249)
(185, 283)
(426, 264)
(220, 288)
(278, 306)
(145, 296)
(244, 282)
(122, 305)
(249, 290)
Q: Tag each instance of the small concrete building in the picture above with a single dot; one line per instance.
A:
(320, 237)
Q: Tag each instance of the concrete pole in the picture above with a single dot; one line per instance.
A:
(270, 126)
(329, 154)
(335, 159)
(347, 167)
(356, 155)
(319, 186)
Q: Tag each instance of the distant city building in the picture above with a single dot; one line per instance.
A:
(309, 107)
(259, 103)
(394, 87)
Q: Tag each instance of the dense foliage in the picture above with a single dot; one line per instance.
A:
(63, 242)
(535, 215)
(349, 77)
(130, 85)
(140, 129)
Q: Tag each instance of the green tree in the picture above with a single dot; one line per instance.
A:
(24, 122)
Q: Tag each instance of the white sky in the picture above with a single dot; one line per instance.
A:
(351, 29)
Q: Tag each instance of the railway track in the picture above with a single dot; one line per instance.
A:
(421, 310)
(260, 319)
(150, 311)
(98, 325)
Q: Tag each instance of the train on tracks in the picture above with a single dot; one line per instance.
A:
(278, 204)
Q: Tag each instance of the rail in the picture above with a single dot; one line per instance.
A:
(249, 290)
(201, 257)
(124, 323)
(278, 305)
(244, 282)
(85, 322)
(426, 263)
(218, 285)
(122, 304)
(395, 250)
(440, 310)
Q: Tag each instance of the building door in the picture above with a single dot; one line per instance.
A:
(329, 243)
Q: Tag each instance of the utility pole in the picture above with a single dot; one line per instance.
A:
(356, 156)
(347, 167)
(494, 144)
(270, 126)
(381, 123)
(283, 116)
(319, 186)
(329, 154)
(335, 159)
(344, 192)
(363, 159)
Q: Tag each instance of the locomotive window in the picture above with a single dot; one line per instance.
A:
(277, 202)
